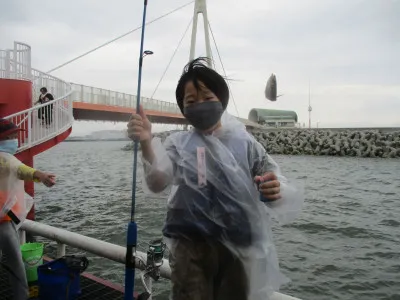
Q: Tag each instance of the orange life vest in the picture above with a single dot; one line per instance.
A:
(18, 207)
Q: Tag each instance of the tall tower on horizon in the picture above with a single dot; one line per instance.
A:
(309, 104)
(200, 7)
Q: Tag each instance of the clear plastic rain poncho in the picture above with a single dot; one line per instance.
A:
(12, 191)
(230, 210)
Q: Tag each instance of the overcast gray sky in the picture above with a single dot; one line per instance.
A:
(348, 49)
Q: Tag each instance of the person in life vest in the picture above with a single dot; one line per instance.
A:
(14, 205)
(223, 189)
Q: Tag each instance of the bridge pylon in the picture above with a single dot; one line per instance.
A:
(200, 7)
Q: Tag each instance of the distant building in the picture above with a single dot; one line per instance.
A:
(273, 118)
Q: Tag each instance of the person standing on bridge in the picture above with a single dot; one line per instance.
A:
(224, 187)
(14, 205)
(45, 113)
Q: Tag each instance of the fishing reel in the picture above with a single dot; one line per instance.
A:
(155, 255)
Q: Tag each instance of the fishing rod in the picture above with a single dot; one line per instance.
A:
(131, 239)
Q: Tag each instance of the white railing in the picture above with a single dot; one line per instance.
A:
(41, 122)
(33, 121)
(16, 63)
(54, 85)
(100, 248)
(93, 95)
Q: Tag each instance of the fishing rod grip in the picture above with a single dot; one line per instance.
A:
(262, 198)
(131, 241)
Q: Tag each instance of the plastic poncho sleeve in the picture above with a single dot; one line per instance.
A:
(12, 193)
(23, 171)
(26, 173)
(8, 165)
(161, 166)
(289, 206)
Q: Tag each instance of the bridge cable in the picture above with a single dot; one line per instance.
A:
(119, 37)
(229, 87)
(212, 60)
(173, 55)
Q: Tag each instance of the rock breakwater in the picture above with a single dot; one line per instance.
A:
(362, 143)
(332, 143)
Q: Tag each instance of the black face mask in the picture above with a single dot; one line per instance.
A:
(204, 115)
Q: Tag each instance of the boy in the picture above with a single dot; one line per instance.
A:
(13, 206)
(217, 229)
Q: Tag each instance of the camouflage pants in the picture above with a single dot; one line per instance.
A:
(206, 271)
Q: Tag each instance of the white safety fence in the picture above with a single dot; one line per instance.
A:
(16, 63)
(100, 248)
(93, 95)
(41, 122)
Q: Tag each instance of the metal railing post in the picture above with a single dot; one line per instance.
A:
(57, 122)
(60, 250)
(30, 124)
(22, 236)
(82, 95)
(8, 65)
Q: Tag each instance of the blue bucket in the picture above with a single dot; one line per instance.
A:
(60, 278)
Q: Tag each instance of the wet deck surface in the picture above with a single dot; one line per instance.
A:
(91, 289)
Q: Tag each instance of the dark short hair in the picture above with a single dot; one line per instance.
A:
(197, 70)
(43, 89)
